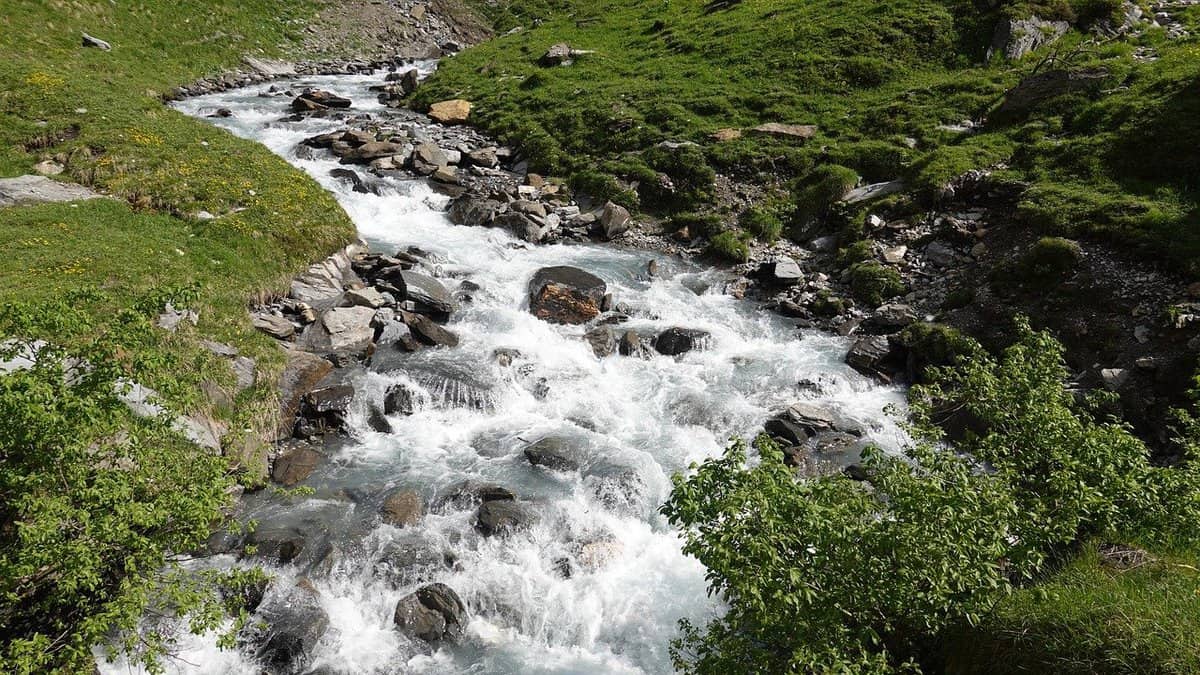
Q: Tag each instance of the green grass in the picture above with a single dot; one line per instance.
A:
(1092, 618)
(872, 76)
(161, 168)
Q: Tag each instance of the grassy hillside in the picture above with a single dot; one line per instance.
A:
(93, 502)
(99, 113)
(882, 81)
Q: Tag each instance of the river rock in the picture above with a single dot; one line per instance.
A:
(375, 150)
(472, 493)
(399, 400)
(565, 295)
(869, 354)
(484, 157)
(327, 408)
(630, 344)
(398, 335)
(429, 293)
(502, 516)
(799, 422)
(302, 372)
(473, 210)
(552, 454)
(529, 228)
(294, 629)
(455, 111)
(614, 221)
(892, 317)
(402, 508)
(410, 558)
(434, 614)
(316, 99)
(281, 544)
(675, 341)
(296, 465)
(342, 330)
(603, 341)
(429, 332)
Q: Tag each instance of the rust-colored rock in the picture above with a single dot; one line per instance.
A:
(455, 111)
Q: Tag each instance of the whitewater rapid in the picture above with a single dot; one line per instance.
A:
(637, 421)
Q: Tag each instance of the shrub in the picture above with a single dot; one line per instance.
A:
(730, 245)
(603, 187)
(933, 345)
(857, 252)
(691, 177)
(698, 224)
(762, 222)
(872, 282)
(827, 304)
(1051, 259)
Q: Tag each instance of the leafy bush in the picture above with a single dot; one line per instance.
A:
(690, 175)
(826, 184)
(935, 344)
(762, 222)
(826, 575)
(730, 245)
(863, 249)
(872, 282)
(698, 224)
(92, 499)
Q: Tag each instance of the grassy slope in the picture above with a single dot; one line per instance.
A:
(870, 74)
(157, 163)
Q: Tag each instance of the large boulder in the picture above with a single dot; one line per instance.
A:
(566, 295)
(473, 210)
(614, 221)
(399, 400)
(434, 614)
(869, 355)
(374, 150)
(1040, 87)
(782, 272)
(551, 453)
(455, 111)
(799, 422)
(316, 99)
(502, 516)
(428, 293)
(294, 629)
(343, 330)
(428, 332)
(326, 408)
(321, 285)
(296, 465)
(675, 341)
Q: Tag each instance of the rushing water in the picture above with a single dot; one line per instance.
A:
(635, 421)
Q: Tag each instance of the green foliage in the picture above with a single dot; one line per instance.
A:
(762, 222)
(730, 245)
(935, 344)
(691, 178)
(1051, 258)
(826, 304)
(827, 575)
(826, 184)
(93, 500)
(872, 282)
(863, 249)
(698, 224)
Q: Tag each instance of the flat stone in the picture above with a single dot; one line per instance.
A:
(26, 190)
(796, 131)
(455, 111)
(275, 326)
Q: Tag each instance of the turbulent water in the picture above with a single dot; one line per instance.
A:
(636, 421)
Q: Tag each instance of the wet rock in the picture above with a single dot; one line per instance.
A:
(529, 228)
(429, 332)
(296, 465)
(455, 111)
(295, 628)
(327, 408)
(302, 372)
(473, 210)
(799, 422)
(631, 344)
(429, 293)
(434, 614)
(869, 354)
(373, 150)
(565, 295)
(279, 544)
(397, 334)
(378, 421)
(399, 400)
(402, 508)
(552, 454)
(316, 99)
(472, 493)
(411, 558)
(602, 340)
(614, 221)
(675, 341)
(500, 517)
(275, 326)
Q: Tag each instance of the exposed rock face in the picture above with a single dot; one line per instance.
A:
(434, 614)
(322, 283)
(402, 508)
(1015, 38)
(794, 131)
(566, 295)
(675, 341)
(428, 292)
(455, 111)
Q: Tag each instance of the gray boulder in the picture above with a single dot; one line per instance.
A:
(434, 614)
(429, 293)
(502, 516)
(675, 341)
(1015, 38)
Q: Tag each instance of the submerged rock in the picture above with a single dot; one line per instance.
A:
(551, 453)
(294, 629)
(502, 516)
(675, 341)
(402, 508)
